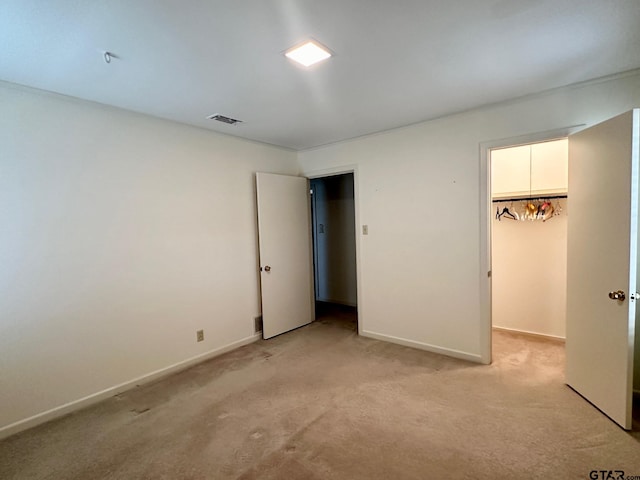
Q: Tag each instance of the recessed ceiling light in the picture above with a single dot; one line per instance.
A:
(308, 53)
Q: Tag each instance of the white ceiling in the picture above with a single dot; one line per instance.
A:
(396, 62)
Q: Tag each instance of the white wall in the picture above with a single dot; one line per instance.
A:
(419, 192)
(529, 272)
(335, 249)
(120, 236)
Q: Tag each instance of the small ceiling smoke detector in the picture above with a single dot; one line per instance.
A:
(223, 119)
(308, 53)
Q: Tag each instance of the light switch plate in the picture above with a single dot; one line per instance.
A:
(365, 229)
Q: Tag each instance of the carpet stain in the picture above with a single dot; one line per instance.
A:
(141, 411)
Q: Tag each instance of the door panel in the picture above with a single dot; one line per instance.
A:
(284, 231)
(601, 258)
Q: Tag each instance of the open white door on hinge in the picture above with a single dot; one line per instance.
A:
(602, 264)
(286, 263)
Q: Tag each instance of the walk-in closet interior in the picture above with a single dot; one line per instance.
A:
(529, 238)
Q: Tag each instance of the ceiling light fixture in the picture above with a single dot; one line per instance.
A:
(308, 53)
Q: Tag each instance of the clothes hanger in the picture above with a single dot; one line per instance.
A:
(553, 211)
(506, 213)
(514, 212)
(546, 210)
(531, 209)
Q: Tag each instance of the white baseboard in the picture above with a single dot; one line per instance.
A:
(472, 357)
(61, 410)
(533, 334)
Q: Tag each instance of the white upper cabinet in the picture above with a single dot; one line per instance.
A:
(550, 167)
(510, 171)
(541, 169)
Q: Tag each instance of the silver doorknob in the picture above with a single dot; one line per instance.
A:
(619, 295)
(267, 268)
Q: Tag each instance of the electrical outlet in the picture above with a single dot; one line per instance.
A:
(257, 322)
(200, 335)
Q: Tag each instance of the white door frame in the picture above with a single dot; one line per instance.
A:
(330, 172)
(485, 222)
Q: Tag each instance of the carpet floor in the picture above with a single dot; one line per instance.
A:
(323, 403)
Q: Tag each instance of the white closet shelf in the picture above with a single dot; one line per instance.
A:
(535, 194)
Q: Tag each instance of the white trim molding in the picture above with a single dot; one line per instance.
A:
(341, 170)
(75, 405)
(471, 357)
(485, 221)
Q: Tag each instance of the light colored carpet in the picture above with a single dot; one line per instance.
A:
(321, 402)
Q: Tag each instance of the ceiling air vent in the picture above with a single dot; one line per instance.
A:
(223, 119)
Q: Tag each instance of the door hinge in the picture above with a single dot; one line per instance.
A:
(489, 274)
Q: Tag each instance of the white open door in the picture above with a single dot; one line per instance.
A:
(286, 264)
(602, 264)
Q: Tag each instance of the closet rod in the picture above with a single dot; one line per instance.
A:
(533, 197)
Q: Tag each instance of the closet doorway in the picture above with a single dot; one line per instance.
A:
(602, 251)
(334, 248)
(529, 189)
